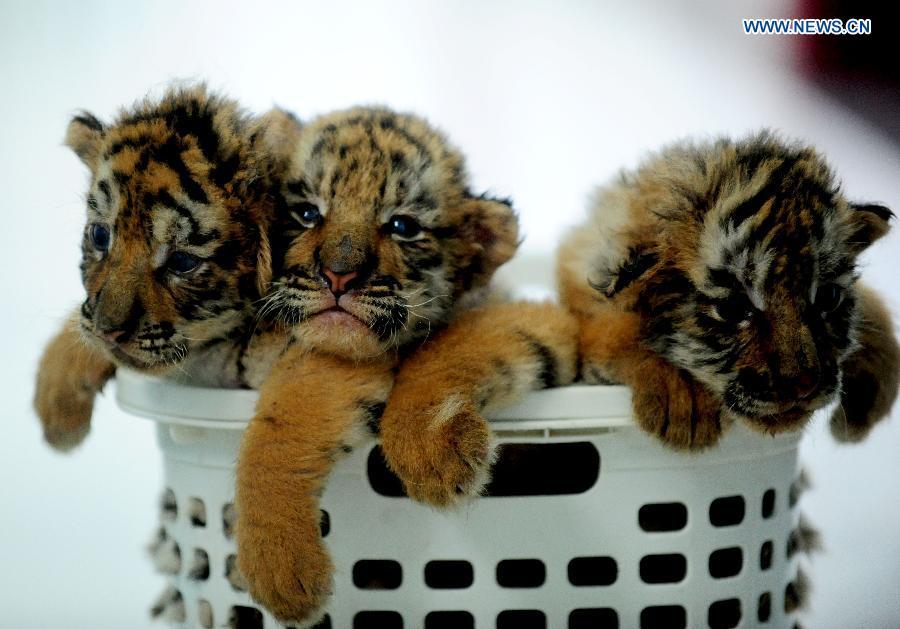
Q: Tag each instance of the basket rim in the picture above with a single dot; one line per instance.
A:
(167, 401)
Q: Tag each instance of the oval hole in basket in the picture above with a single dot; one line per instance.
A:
(521, 619)
(660, 517)
(668, 616)
(768, 504)
(765, 555)
(604, 617)
(377, 574)
(521, 573)
(727, 511)
(449, 620)
(168, 505)
(584, 571)
(196, 512)
(204, 614)
(522, 469)
(449, 574)
(724, 614)
(377, 620)
(243, 617)
(670, 568)
(764, 607)
(725, 562)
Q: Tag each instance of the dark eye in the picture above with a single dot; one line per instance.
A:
(181, 262)
(307, 214)
(100, 237)
(734, 310)
(828, 298)
(404, 227)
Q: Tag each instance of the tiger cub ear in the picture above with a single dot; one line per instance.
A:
(489, 236)
(612, 280)
(275, 137)
(868, 223)
(84, 136)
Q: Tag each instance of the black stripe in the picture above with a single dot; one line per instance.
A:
(547, 375)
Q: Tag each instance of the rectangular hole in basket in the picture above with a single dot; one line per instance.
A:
(670, 568)
(727, 511)
(726, 562)
(668, 616)
(449, 574)
(325, 623)
(521, 573)
(377, 574)
(587, 571)
(544, 469)
(449, 620)
(243, 617)
(521, 619)
(377, 620)
(522, 469)
(662, 517)
(724, 614)
(593, 618)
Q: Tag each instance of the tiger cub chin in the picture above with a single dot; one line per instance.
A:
(175, 249)
(380, 240)
(719, 280)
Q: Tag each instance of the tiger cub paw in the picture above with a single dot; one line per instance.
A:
(448, 461)
(64, 395)
(678, 410)
(288, 577)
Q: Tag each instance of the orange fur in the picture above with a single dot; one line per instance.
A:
(308, 414)
(433, 433)
(382, 236)
(70, 374)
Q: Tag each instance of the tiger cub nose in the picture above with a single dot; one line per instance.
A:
(805, 385)
(338, 283)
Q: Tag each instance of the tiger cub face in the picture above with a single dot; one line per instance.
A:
(175, 247)
(762, 307)
(380, 233)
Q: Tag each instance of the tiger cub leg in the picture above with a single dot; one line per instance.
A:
(69, 375)
(871, 373)
(667, 402)
(433, 433)
(312, 409)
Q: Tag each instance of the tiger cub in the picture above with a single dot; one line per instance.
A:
(382, 242)
(175, 250)
(719, 281)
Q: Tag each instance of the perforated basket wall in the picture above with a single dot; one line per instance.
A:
(590, 523)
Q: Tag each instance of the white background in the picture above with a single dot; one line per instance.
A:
(546, 98)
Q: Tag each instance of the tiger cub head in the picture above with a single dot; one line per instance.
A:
(754, 290)
(380, 233)
(175, 249)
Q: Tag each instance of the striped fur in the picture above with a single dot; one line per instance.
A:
(379, 239)
(719, 281)
(175, 249)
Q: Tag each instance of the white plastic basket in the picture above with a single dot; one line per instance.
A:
(601, 557)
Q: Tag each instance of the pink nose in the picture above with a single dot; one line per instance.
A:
(338, 283)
